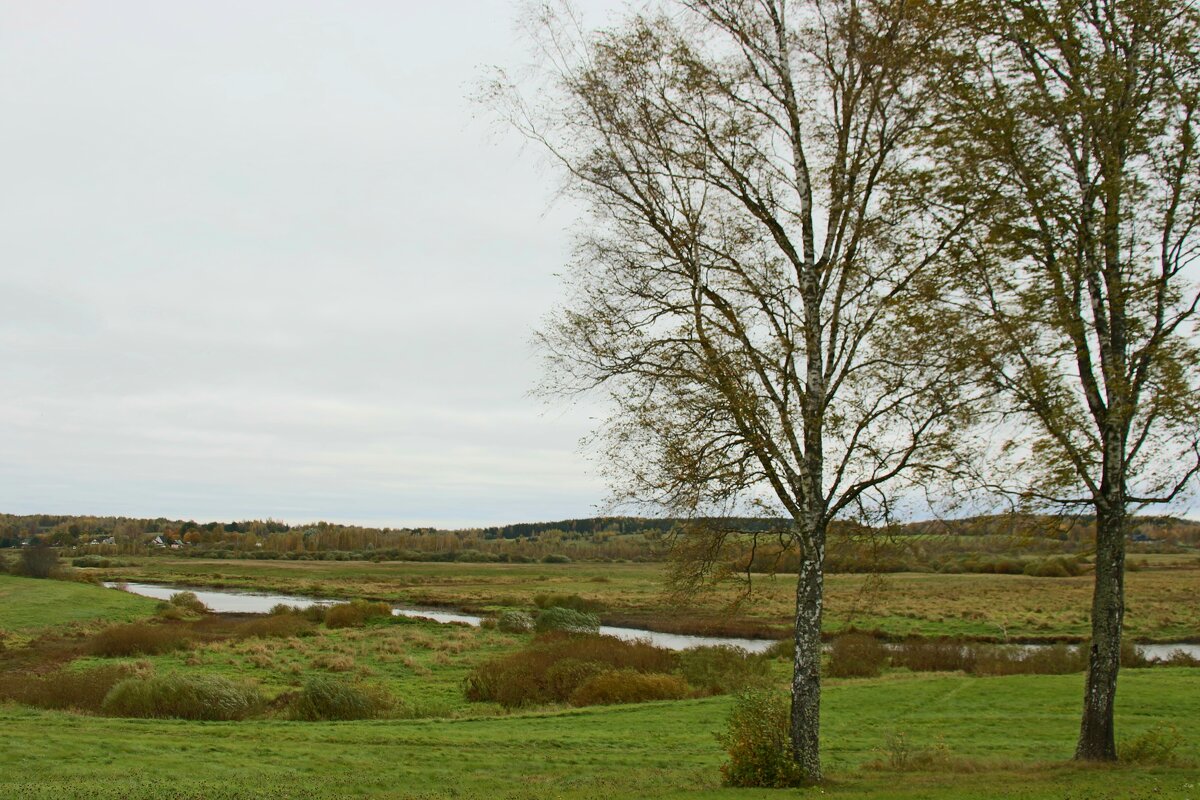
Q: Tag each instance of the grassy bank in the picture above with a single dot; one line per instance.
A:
(28, 604)
(991, 737)
(1161, 603)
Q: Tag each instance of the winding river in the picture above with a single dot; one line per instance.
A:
(246, 602)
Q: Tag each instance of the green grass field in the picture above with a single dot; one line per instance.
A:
(998, 737)
(967, 737)
(27, 604)
(1161, 600)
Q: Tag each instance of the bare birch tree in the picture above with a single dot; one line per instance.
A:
(754, 271)
(1073, 124)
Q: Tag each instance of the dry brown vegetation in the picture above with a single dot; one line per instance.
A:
(81, 690)
(139, 639)
(555, 668)
(629, 686)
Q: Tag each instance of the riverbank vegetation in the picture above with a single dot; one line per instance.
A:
(996, 607)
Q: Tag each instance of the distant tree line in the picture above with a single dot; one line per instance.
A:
(856, 548)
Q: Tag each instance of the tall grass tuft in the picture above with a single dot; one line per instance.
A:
(138, 638)
(325, 698)
(196, 697)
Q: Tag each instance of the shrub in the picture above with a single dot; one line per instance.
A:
(475, 557)
(138, 638)
(1180, 658)
(572, 601)
(782, 649)
(756, 738)
(504, 681)
(94, 562)
(189, 602)
(39, 560)
(1131, 655)
(933, 655)
(1058, 659)
(567, 620)
(314, 613)
(901, 755)
(565, 676)
(275, 626)
(200, 697)
(355, 614)
(1155, 746)
(79, 690)
(721, 670)
(856, 655)
(556, 558)
(164, 610)
(1053, 567)
(529, 676)
(629, 686)
(514, 622)
(325, 698)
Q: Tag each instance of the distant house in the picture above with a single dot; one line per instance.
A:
(1140, 537)
(157, 541)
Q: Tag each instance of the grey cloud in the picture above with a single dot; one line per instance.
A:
(263, 259)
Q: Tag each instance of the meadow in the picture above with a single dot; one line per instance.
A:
(898, 735)
(990, 737)
(1160, 595)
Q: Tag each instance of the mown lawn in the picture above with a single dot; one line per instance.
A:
(997, 737)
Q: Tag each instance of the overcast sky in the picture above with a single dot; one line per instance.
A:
(268, 260)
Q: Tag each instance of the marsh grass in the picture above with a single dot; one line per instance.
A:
(276, 626)
(355, 614)
(193, 696)
(81, 690)
(629, 686)
(856, 655)
(139, 638)
(328, 698)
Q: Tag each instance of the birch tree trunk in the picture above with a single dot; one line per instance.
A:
(806, 673)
